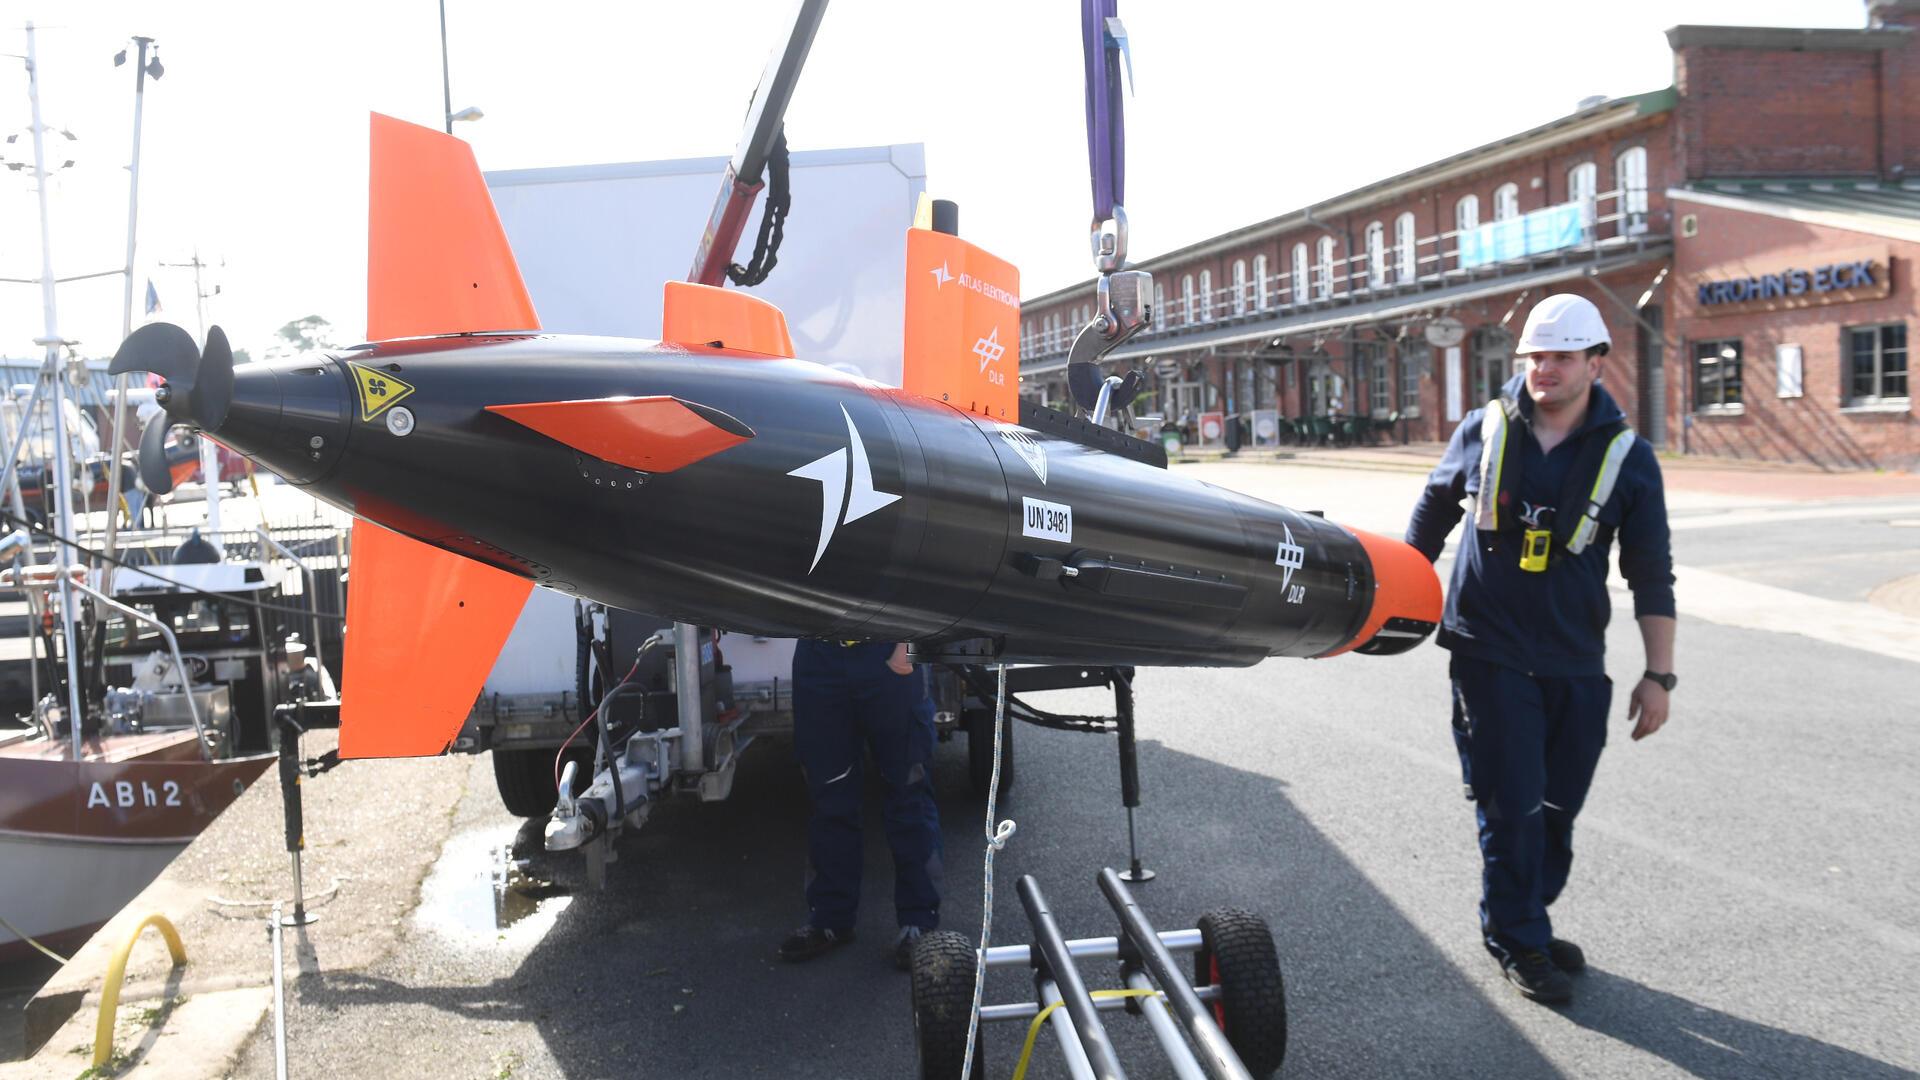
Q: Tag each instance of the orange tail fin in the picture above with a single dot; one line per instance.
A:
(437, 259)
(424, 625)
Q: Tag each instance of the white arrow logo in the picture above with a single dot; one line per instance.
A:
(940, 275)
(831, 473)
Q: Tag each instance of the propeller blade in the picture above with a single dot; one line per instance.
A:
(213, 393)
(167, 351)
(154, 472)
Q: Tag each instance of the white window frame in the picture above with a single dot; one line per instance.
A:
(1206, 296)
(1260, 296)
(1376, 255)
(1239, 287)
(1299, 282)
(1466, 213)
(1411, 362)
(1323, 269)
(1630, 178)
(1379, 383)
(1878, 395)
(1159, 306)
(1506, 202)
(1186, 301)
(1583, 187)
(1405, 245)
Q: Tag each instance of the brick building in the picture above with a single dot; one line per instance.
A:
(1749, 233)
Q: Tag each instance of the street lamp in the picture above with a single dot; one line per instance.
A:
(468, 113)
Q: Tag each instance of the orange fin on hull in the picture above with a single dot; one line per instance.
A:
(709, 315)
(651, 434)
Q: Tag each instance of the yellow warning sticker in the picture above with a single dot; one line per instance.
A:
(379, 389)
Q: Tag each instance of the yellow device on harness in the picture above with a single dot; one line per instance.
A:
(1534, 545)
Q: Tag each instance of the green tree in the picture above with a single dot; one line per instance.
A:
(310, 334)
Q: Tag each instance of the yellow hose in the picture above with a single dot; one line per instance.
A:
(117, 973)
(1033, 1029)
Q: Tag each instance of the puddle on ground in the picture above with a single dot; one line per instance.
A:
(479, 892)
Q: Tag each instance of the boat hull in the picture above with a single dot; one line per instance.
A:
(79, 840)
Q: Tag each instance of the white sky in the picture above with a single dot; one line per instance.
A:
(255, 139)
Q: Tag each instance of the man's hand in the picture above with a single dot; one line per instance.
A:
(1648, 707)
(897, 663)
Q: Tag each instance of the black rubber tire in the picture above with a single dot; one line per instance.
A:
(525, 781)
(943, 970)
(1237, 955)
(979, 724)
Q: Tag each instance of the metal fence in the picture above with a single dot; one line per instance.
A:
(1582, 229)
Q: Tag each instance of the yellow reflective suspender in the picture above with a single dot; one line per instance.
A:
(1495, 431)
(1493, 454)
(1603, 483)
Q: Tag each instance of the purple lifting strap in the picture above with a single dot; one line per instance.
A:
(1106, 129)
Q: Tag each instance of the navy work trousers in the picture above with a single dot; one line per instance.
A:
(1528, 747)
(846, 701)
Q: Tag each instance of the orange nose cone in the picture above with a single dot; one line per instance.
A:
(1406, 598)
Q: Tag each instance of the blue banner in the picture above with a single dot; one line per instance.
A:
(1551, 228)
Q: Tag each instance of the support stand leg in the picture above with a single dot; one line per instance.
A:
(289, 733)
(1129, 771)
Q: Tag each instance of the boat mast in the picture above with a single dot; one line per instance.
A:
(126, 313)
(53, 379)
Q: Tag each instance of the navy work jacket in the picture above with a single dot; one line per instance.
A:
(1549, 623)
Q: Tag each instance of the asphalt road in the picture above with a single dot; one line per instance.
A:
(1747, 886)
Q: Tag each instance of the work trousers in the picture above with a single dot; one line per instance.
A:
(846, 702)
(1528, 748)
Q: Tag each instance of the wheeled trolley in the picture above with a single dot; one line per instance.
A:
(1228, 1023)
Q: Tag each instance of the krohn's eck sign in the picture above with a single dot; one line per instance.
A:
(1836, 282)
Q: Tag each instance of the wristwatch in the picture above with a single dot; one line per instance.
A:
(1666, 681)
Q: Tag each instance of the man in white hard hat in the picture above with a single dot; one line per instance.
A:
(1555, 477)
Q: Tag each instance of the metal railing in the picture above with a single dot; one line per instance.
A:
(1584, 228)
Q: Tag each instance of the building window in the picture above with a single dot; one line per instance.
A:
(1413, 361)
(1159, 307)
(1379, 382)
(1323, 269)
(1239, 287)
(1404, 264)
(1187, 310)
(1376, 255)
(1466, 213)
(1877, 364)
(1260, 297)
(1630, 177)
(1583, 185)
(1206, 296)
(1299, 273)
(1506, 202)
(1716, 376)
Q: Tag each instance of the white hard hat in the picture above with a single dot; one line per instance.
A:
(1563, 323)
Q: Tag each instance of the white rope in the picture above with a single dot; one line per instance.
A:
(998, 833)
